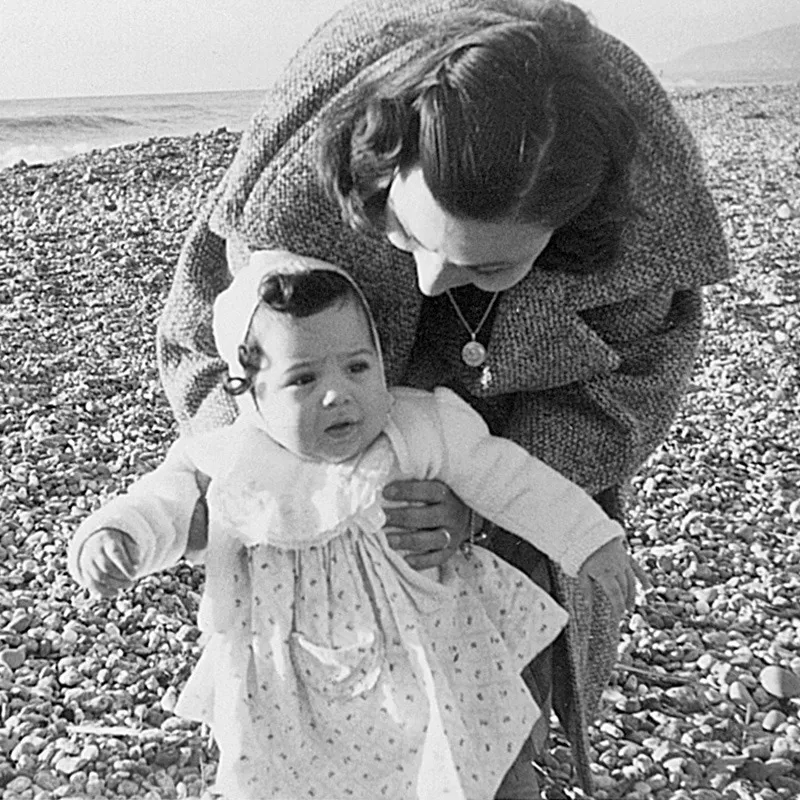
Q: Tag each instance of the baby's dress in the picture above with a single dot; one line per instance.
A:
(331, 669)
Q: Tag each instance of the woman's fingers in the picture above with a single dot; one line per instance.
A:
(435, 540)
(436, 556)
(429, 526)
(412, 491)
(414, 518)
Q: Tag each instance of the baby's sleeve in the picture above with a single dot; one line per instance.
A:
(507, 485)
(155, 512)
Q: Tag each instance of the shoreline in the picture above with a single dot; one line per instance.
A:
(101, 151)
(87, 250)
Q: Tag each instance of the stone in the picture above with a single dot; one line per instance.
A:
(740, 695)
(773, 719)
(13, 658)
(780, 682)
(69, 764)
(20, 784)
(70, 677)
(47, 780)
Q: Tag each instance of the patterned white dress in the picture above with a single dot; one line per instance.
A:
(330, 668)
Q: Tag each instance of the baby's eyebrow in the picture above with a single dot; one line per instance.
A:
(298, 365)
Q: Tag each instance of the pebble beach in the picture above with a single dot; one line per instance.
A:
(705, 701)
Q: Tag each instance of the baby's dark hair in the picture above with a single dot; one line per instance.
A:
(296, 294)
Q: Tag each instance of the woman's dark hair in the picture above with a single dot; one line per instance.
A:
(296, 294)
(507, 121)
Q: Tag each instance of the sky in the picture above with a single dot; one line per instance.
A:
(68, 48)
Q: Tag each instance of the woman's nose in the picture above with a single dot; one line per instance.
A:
(435, 276)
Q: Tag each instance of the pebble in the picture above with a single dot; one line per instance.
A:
(13, 658)
(780, 682)
(759, 750)
(19, 784)
(740, 695)
(773, 719)
(47, 780)
(70, 677)
(68, 765)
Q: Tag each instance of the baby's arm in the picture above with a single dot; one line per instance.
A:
(140, 532)
(504, 483)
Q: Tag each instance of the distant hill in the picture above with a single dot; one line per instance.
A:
(766, 57)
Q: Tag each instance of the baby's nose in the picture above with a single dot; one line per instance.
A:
(331, 397)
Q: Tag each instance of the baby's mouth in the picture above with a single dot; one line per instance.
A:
(341, 429)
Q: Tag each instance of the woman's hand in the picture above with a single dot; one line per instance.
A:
(428, 524)
(612, 567)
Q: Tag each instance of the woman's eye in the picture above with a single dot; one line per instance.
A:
(359, 366)
(492, 270)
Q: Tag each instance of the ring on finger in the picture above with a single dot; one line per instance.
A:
(449, 540)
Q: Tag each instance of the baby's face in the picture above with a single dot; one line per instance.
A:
(320, 389)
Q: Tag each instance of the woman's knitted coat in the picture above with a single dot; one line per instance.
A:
(588, 369)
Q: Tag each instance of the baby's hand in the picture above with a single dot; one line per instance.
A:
(612, 567)
(108, 562)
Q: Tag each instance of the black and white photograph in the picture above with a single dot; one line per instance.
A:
(399, 400)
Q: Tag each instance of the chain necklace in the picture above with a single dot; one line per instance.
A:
(473, 353)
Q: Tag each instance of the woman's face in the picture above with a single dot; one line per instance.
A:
(451, 252)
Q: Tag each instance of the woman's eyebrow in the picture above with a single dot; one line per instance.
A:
(489, 266)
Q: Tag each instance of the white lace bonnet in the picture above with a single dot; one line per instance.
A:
(235, 306)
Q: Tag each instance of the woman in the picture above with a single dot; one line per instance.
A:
(527, 216)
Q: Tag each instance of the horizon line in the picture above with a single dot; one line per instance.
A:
(127, 94)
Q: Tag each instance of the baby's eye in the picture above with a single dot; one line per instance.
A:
(357, 367)
(304, 379)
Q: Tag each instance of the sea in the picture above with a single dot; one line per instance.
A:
(47, 130)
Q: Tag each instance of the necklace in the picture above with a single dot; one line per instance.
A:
(473, 353)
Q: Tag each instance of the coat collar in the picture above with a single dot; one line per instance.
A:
(539, 341)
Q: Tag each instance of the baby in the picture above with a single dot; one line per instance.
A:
(330, 668)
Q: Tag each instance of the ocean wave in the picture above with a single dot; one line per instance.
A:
(40, 153)
(64, 122)
(46, 130)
